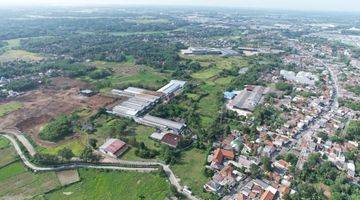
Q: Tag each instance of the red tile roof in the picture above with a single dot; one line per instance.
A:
(267, 195)
(115, 146)
(171, 139)
(220, 154)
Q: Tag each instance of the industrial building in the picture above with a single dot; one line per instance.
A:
(138, 102)
(246, 100)
(172, 87)
(209, 51)
(301, 77)
(163, 124)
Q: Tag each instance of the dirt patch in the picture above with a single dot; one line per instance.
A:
(44, 104)
(68, 177)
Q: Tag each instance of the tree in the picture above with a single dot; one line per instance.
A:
(291, 158)
(323, 135)
(266, 163)
(66, 153)
(93, 142)
(88, 155)
(255, 171)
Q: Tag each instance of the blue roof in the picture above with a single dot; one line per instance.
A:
(229, 95)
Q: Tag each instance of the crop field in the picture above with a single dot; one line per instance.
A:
(24, 184)
(114, 185)
(12, 55)
(7, 155)
(190, 171)
(9, 107)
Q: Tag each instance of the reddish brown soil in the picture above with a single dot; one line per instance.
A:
(42, 105)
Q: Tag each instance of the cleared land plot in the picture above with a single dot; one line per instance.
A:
(12, 55)
(68, 177)
(40, 106)
(24, 184)
(190, 171)
(114, 185)
(124, 68)
(9, 107)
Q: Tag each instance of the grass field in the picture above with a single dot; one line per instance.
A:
(142, 134)
(190, 171)
(9, 107)
(4, 143)
(114, 185)
(7, 155)
(76, 145)
(24, 184)
(143, 78)
(12, 55)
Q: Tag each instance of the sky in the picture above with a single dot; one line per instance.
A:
(311, 5)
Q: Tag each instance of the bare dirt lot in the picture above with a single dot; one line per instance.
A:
(42, 105)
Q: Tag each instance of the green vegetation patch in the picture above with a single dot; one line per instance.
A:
(25, 184)
(12, 55)
(114, 185)
(11, 170)
(9, 107)
(59, 128)
(190, 170)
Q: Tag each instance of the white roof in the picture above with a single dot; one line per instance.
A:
(157, 136)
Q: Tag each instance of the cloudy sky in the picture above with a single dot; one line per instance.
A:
(326, 5)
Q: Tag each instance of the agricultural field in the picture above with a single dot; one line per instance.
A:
(9, 107)
(24, 184)
(114, 185)
(7, 152)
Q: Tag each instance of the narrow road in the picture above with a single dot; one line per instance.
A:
(172, 178)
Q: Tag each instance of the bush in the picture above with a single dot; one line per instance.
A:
(57, 129)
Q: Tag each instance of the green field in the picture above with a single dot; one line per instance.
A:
(190, 171)
(24, 184)
(142, 134)
(76, 146)
(12, 55)
(4, 143)
(9, 107)
(114, 185)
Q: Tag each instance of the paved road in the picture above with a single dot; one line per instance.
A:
(29, 147)
(172, 178)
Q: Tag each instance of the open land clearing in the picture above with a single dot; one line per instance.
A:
(42, 105)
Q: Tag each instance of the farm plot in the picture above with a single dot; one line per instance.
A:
(24, 184)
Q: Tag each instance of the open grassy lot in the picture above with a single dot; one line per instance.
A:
(190, 171)
(142, 134)
(76, 145)
(146, 78)
(12, 55)
(9, 107)
(114, 185)
(24, 184)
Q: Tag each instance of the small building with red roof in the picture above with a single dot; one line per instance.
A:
(113, 147)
